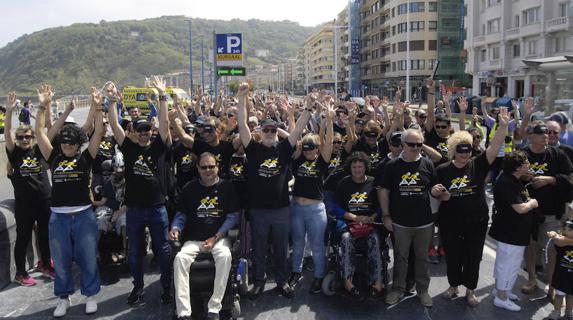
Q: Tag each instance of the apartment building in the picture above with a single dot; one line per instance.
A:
(319, 59)
(520, 48)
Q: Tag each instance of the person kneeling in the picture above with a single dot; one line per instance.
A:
(208, 208)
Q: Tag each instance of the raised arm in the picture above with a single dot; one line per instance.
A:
(499, 136)
(326, 150)
(528, 110)
(447, 104)
(45, 95)
(159, 84)
(301, 123)
(11, 101)
(431, 99)
(95, 140)
(463, 104)
(118, 132)
(242, 114)
(53, 131)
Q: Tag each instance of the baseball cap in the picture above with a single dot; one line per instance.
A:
(269, 123)
(396, 137)
(140, 123)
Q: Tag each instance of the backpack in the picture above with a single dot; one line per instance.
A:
(22, 116)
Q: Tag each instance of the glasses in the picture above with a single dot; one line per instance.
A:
(208, 130)
(198, 125)
(441, 127)
(552, 132)
(143, 129)
(413, 144)
(266, 130)
(336, 142)
(26, 137)
(211, 167)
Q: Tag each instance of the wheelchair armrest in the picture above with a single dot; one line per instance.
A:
(233, 235)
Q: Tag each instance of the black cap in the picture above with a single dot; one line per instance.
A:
(537, 129)
(140, 122)
(396, 137)
(269, 123)
(559, 118)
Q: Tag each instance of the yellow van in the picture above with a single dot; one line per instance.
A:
(184, 98)
(137, 97)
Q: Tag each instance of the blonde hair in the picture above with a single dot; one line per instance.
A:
(24, 128)
(458, 138)
(311, 138)
(372, 126)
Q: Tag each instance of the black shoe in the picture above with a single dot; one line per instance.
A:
(256, 291)
(410, 287)
(316, 286)
(135, 297)
(375, 294)
(212, 316)
(166, 297)
(308, 264)
(286, 291)
(294, 279)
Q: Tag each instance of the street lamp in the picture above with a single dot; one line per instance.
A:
(335, 29)
(190, 57)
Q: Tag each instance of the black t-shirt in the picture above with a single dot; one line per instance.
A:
(185, 164)
(466, 186)
(106, 151)
(360, 199)
(268, 174)
(509, 226)
(30, 178)
(410, 184)
(223, 152)
(477, 152)
(336, 171)
(110, 193)
(70, 178)
(380, 171)
(549, 163)
(440, 144)
(309, 177)
(568, 150)
(376, 153)
(142, 173)
(206, 208)
(238, 176)
(339, 129)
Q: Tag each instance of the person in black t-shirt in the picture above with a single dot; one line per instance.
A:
(355, 203)
(563, 275)
(145, 191)
(463, 214)
(405, 201)
(73, 226)
(267, 184)
(511, 226)
(222, 149)
(208, 208)
(308, 213)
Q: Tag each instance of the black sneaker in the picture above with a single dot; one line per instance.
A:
(166, 297)
(410, 287)
(135, 297)
(316, 286)
(294, 279)
(256, 291)
(286, 291)
(212, 316)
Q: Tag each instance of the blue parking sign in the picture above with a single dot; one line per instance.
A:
(229, 49)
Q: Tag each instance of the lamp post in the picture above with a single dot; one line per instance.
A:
(202, 66)
(335, 35)
(408, 27)
(190, 57)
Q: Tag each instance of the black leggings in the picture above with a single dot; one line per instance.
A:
(28, 212)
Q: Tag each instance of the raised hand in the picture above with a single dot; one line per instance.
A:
(97, 97)
(330, 112)
(503, 117)
(11, 100)
(45, 95)
(430, 84)
(375, 101)
(243, 90)
(72, 105)
(159, 83)
(529, 106)
(463, 104)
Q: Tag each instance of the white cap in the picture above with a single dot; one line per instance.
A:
(70, 119)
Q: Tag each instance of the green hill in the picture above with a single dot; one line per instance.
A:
(76, 57)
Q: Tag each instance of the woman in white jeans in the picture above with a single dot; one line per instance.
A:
(511, 226)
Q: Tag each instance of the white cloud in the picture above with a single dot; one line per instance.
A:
(27, 16)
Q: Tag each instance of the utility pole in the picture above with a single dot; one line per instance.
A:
(408, 27)
(202, 66)
(215, 76)
(190, 57)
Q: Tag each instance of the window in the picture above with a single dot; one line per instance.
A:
(493, 26)
(393, 48)
(532, 47)
(393, 30)
(563, 9)
(493, 2)
(416, 26)
(560, 44)
(433, 6)
(516, 21)
(393, 66)
(431, 64)
(432, 45)
(483, 29)
(417, 7)
(402, 9)
(483, 55)
(432, 25)
(376, 6)
(417, 45)
(516, 50)
(417, 64)
(531, 16)
(402, 46)
(495, 53)
(402, 27)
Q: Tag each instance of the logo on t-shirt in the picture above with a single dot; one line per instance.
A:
(30, 166)
(307, 169)
(67, 171)
(141, 167)
(460, 182)
(358, 202)
(375, 157)
(236, 169)
(186, 160)
(334, 162)
(567, 260)
(208, 207)
(65, 165)
(358, 197)
(442, 147)
(409, 179)
(269, 168)
(538, 168)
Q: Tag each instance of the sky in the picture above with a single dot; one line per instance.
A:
(19, 17)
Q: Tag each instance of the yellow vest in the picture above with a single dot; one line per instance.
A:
(508, 145)
(2, 118)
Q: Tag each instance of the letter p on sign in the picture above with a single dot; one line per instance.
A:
(233, 42)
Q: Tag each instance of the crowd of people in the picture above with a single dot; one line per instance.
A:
(191, 172)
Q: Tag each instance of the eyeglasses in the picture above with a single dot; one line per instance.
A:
(211, 167)
(26, 137)
(267, 130)
(336, 142)
(441, 127)
(552, 132)
(208, 129)
(413, 144)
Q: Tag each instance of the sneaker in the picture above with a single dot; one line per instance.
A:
(394, 296)
(166, 297)
(135, 297)
(375, 294)
(308, 264)
(512, 296)
(91, 305)
(554, 315)
(442, 252)
(410, 287)
(62, 307)
(294, 279)
(433, 256)
(47, 272)
(451, 293)
(25, 280)
(506, 304)
(316, 286)
(425, 299)
(471, 298)
(286, 291)
(212, 316)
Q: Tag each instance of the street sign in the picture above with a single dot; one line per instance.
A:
(231, 71)
(229, 49)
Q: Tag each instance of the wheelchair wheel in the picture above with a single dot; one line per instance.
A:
(329, 284)
(236, 309)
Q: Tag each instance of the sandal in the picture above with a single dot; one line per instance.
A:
(451, 293)
(353, 292)
(528, 288)
(471, 299)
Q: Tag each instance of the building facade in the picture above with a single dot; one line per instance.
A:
(319, 56)
(518, 48)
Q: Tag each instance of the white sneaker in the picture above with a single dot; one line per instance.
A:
(506, 304)
(512, 296)
(91, 305)
(62, 307)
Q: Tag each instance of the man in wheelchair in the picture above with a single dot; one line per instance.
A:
(208, 208)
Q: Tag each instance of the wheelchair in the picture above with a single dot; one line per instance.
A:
(202, 277)
(333, 281)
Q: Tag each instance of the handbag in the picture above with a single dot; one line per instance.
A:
(358, 230)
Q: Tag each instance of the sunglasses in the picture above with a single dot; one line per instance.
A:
(441, 127)
(267, 130)
(26, 137)
(143, 129)
(211, 167)
(413, 144)
(198, 125)
(208, 129)
(336, 142)
(230, 115)
(423, 116)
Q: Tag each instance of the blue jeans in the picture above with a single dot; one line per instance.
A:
(155, 218)
(73, 237)
(308, 220)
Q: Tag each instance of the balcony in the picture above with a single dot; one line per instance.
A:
(530, 29)
(479, 40)
(511, 34)
(558, 24)
(495, 63)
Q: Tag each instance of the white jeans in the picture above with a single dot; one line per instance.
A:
(183, 260)
(507, 262)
